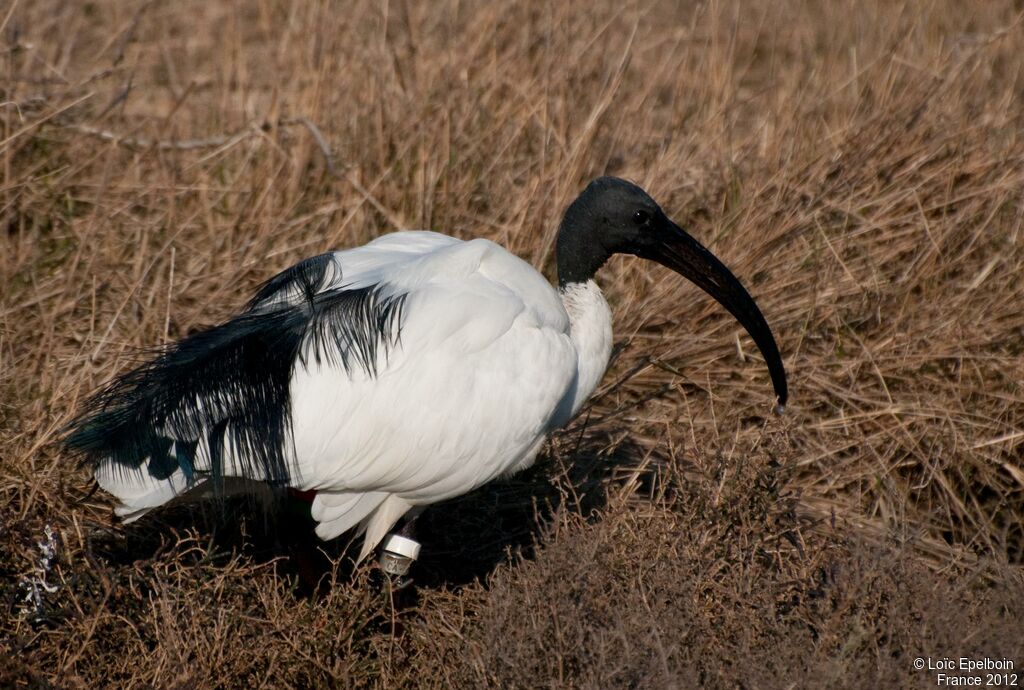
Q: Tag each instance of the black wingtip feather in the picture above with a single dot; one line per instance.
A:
(230, 385)
(306, 278)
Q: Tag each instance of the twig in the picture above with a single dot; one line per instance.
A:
(144, 143)
(45, 119)
(7, 17)
(13, 104)
(212, 142)
(129, 33)
(325, 148)
(120, 98)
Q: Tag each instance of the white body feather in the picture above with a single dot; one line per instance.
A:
(490, 359)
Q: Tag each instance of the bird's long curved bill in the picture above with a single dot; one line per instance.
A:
(686, 256)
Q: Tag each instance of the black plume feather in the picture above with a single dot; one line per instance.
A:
(231, 384)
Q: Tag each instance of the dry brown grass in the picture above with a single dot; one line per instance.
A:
(859, 164)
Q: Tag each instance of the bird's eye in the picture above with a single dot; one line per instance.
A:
(641, 217)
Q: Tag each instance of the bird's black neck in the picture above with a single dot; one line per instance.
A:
(578, 252)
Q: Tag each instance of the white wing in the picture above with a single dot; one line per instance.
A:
(484, 361)
(426, 367)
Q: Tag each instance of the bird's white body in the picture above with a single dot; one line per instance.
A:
(489, 360)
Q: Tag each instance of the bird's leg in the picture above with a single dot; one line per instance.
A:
(399, 549)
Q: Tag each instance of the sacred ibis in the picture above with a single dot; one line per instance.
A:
(391, 376)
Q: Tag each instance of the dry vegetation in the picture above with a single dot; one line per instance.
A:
(859, 164)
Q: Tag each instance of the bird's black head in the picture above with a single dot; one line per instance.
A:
(613, 216)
